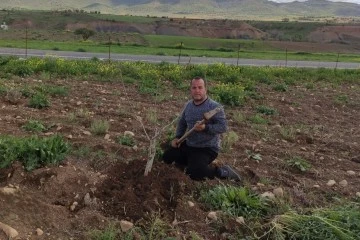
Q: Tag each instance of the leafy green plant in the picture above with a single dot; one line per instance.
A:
(39, 100)
(299, 163)
(57, 90)
(32, 151)
(236, 201)
(288, 133)
(258, 119)
(99, 127)
(265, 110)
(229, 94)
(34, 126)
(228, 140)
(253, 156)
(337, 222)
(109, 233)
(126, 140)
(280, 87)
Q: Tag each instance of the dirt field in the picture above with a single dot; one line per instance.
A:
(108, 184)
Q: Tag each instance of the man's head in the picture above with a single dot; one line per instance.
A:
(198, 90)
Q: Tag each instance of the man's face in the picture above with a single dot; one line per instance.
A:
(198, 90)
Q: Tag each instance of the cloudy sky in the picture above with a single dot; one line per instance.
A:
(351, 1)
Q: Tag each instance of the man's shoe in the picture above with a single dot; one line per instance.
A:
(229, 172)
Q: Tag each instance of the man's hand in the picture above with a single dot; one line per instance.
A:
(199, 126)
(174, 143)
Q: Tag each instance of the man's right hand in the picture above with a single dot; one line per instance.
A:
(174, 143)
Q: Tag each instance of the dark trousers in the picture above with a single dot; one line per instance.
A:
(195, 160)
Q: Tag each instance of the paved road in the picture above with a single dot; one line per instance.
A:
(174, 59)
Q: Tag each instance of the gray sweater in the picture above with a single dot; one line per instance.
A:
(210, 136)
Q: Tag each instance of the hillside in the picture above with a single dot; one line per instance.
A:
(230, 9)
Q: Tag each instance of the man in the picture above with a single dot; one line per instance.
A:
(201, 146)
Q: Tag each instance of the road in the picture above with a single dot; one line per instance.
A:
(174, 59)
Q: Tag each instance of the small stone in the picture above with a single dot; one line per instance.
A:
(48, 133)
(240, 220)
(358, 194)
(87, 199)
(331, 183)
(343, 183)
(350, 173)
(69, 136)
(107, 136)
(316, 186)
(191, 204)
(260, 185)
(278, 192)
(321, 158)
(73, 206)
(78, 103)
(87, 133)
(212, 216)
(126, 225)
(129, 133)
(8, 190)
(269, 195)
(39, 232)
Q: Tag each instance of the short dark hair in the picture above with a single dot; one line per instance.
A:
(199, 78)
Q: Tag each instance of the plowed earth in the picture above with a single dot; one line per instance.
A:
(107, 181)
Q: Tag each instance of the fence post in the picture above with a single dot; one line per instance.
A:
(181, 43)
(337, 60)
(286, 53)
(238, 55)
(26, 40)
(109, 47)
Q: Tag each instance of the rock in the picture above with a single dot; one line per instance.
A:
(129, 133)
(87, 133)
(107, 136)
(351, 173)
(358, 194)
(191, 204)
(212, 216)
(78, 103)
(39, 232)
(269, 195)
(73, 206)
(87, 199)
(240, 220)
(260, 185)
(331, 183)
(9, 231)
(69, 136)
(356, 159)
(316, 186)
(126, 225)
(343, 183)
(8, 190)
(278, 192)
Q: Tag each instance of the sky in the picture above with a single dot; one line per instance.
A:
(283, 1)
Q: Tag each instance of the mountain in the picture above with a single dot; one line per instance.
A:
(229, 9)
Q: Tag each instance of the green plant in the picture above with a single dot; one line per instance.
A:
(280, 87)
(109, 233)
(126, 140)
(337, 222)
(258, 119)
(265, 110)
(229, 139)
(34, 126)
(238, 117)
(236, 201)
(229, 94)
(253, 156)
(288, 133)
(57, 90)
(99, 127)
(341, 99)
(39, 100)
(299, 163)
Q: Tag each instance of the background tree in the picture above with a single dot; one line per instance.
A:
(85, 33)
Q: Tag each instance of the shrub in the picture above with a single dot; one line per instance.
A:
(299, 163)
(265, 110)
(229, 139)
(99, 127)
(229, 94)
(235, 201)
(34, 126)
(39, 100)
(126, 140)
